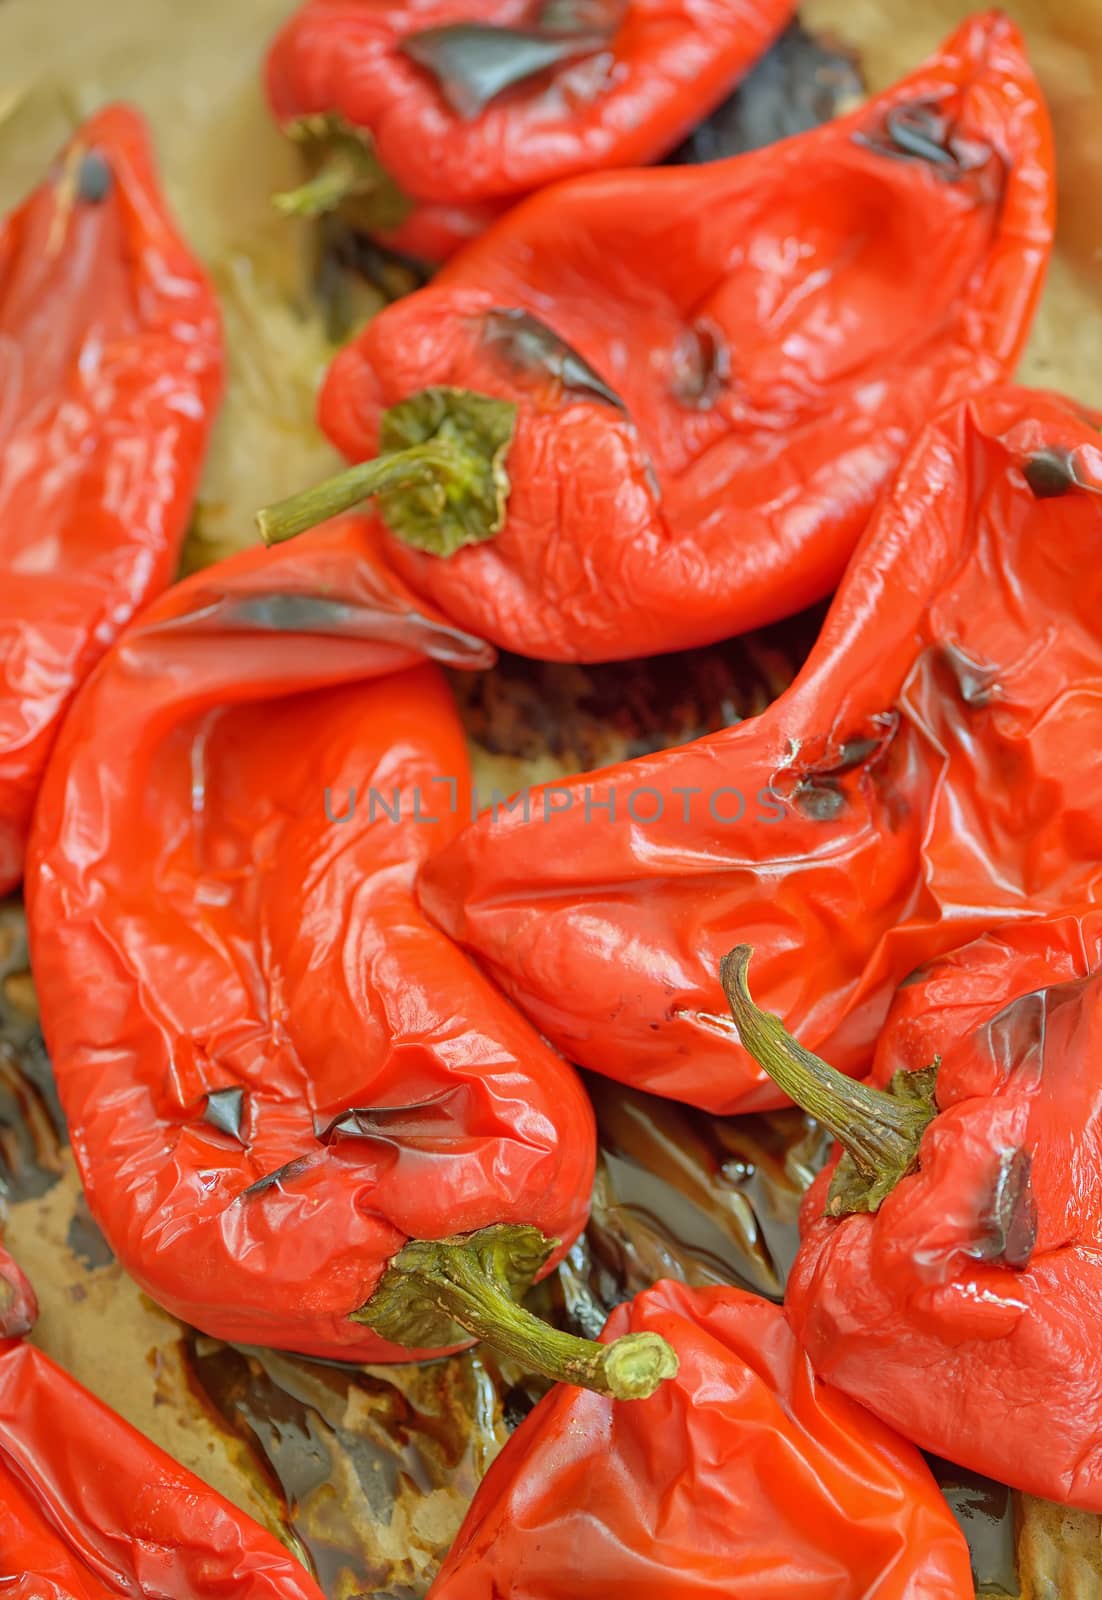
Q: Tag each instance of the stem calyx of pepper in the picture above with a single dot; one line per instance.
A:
(440, 1292)
(346, 175)
(439, 479)
(880, 1130)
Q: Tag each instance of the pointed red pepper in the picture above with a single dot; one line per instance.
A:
(715, 370)
(430, 117)
(110, 375)
(931, 773)
(90, 1509)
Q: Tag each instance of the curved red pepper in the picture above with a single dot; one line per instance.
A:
(275, 1071)
(743, 1476)
(110, 374)
(621, 82)
(748, 347)
(926, 777)
(90, 1509)
(962, 1311)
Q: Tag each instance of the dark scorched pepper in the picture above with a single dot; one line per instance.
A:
(930, 774)
(703, 376)
(745, 1477)
(286, 1090)
(429, 118)
(110, 374)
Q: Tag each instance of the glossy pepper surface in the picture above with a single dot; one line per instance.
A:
(930, 774)
(276, 1072)
(434, 116)
(90, 1509)
(745, 1476)
(706, 374)
(110, 374)
(949, 1271)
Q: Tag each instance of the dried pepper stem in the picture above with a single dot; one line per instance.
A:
(421, 464)
(879, 1129)
(435, 1289)
(439, 477)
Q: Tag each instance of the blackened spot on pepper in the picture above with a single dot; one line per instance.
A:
(820, 799)
(1011, 1221)
(922, 132)
(977, 681)
(225, 1110)
(292, 1169)
(474, 62)
(1050, 473)
(532, 349)
(436, 1118)
(701, 366)
(94, 178)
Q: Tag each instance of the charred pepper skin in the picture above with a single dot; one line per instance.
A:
(965, 1309)
(929, 775)
(612, 83)
(706, 413)
(111, 367)
(745, 1469)
(276, 1073)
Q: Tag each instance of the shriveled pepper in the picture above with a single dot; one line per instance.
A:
(430, 118)
(699, 378)
(110, 375)
(302, 1117)
(90, 1509)
(949, 1275)
(930, 774)
(746, 1476)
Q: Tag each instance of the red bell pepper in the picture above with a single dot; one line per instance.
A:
(110, 374)
(930, 773)
(949, 1275)
(90, 1509)
(432, 115)
(704, 375)
(744, 1476)
(287, 1092)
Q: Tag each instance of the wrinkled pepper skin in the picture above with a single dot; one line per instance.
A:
(763, 334)
(964, 1311)
(745, 1477)
(90, 1509)
(652, 70)
(930, 774)
(110, 375)
(200, 928)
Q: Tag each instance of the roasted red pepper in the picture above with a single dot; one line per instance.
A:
(703, 376)
(110, 374)
(950, 1272)
(927, 776)
(278, 1076)
(745, 1476)
(90, 1509)
(433, 116)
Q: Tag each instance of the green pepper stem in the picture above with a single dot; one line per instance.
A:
(424, 464)
(338, 179)
(435, 1289)
(879, 1131)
